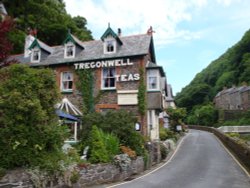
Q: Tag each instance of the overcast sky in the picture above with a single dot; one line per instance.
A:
(189, 34)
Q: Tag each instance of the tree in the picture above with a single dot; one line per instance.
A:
(5, 45)
(176, 116)
(203, 115)
(29, 128)
(48, 17)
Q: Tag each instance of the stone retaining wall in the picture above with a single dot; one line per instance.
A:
(240, 150)
(106, 173)
(88, 175)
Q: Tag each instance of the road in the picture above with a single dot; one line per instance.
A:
(200, 162)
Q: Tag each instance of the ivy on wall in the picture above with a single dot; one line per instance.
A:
(85, 86)
(142, 94)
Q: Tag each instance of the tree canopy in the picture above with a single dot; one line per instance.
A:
(48, 17)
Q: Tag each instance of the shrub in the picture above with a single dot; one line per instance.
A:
(126, 150)
(112, 144)
(98, 151)
(29, 128)
(167, 134)
(234, 135)
(164, 151)
(120, 123)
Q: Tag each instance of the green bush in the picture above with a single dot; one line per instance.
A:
(167, 134)
(29, 128)
(205, 115)
(233, 135)
(164, 151)
(98, 150)
(103, 146)
(112, 144)
(120, 123)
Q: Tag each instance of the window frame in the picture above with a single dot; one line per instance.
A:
(36, 50)
(66, 47)
(153, 74)
(109, 45)
(68, 89)
(103, 87)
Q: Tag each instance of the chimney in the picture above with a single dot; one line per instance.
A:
(119, 32)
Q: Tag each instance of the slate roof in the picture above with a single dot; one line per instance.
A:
(152, 65)
(74, 39)
(135, 45)
(41, 45)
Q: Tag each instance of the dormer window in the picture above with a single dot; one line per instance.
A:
(69, 51)
(109, 46)
(36, 55)
(111, 41)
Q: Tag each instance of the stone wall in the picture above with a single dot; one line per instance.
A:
(106, 173)
(89, 175)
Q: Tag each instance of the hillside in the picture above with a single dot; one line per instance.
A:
(231, 68)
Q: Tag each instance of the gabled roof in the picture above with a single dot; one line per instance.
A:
(109, 32)
(135, 45)
(41, 45)
(73, 39)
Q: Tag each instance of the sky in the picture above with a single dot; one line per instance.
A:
(189, 34)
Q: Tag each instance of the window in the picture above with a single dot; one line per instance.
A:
(67, 81)
(108, 78)
(36, 55)
(153, 80)
(109, 46)
(69, 50)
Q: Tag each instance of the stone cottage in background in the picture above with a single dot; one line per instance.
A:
(116, 63)
(235, 98)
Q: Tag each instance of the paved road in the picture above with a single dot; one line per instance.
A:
(200, 162)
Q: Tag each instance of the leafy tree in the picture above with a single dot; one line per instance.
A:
(203, 115)
(29, 128)
(5, 45)
(176, 116)
(48, 17)
(245, 76)
(227, 79)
